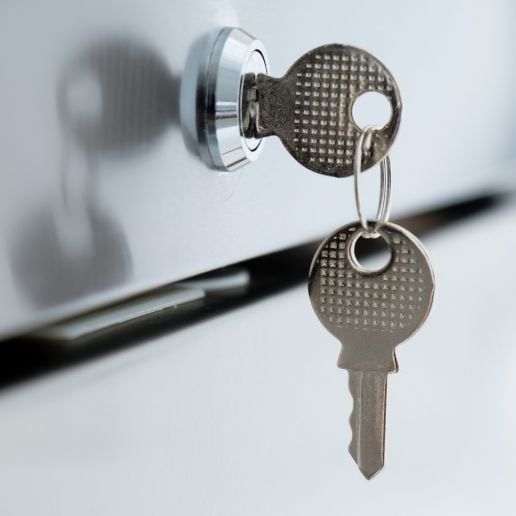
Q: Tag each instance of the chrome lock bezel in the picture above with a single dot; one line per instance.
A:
(235, 59)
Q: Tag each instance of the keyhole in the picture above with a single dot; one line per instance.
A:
(370, 255)
(372, 108)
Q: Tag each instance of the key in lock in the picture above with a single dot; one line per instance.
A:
(310, 108)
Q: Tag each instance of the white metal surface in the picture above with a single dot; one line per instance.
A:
(246, 414)
(141, 210)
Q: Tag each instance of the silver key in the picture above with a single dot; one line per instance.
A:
(370, 312)
(310, 108)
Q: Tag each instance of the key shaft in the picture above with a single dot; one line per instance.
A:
(367, 420)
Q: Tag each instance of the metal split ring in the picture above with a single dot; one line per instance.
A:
(384, 202)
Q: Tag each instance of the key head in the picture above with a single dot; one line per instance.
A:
(371, 312)
(310, 108)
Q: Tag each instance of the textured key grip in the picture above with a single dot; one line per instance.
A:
(371, 313)
(310, 108)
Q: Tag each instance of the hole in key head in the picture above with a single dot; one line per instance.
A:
(371, 108)
(369, 255)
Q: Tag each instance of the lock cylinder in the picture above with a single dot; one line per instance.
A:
(225, 103)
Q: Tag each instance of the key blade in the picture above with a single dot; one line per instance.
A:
(367, 420)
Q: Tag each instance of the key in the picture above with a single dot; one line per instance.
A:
(310, 108)
(370, 313)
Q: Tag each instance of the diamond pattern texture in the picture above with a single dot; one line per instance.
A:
(310, 108)
(391, 301)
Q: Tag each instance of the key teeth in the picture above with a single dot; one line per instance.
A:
(353, 446)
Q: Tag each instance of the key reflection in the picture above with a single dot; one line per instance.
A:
(114, 100)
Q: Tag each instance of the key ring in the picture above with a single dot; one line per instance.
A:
(384, 202)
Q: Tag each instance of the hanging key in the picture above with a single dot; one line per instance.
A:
(370, 312)
(311, 108)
